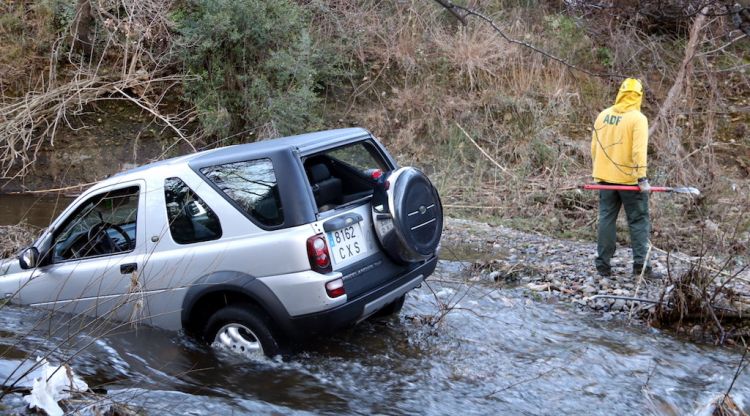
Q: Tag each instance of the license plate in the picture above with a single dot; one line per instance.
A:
(346, 243)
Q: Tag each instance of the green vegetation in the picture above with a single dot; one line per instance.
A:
(27, 31)
(256, 66)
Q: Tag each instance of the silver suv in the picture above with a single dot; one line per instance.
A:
(255, 247)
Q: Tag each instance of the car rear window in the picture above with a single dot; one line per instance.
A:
(361, 156)
(251, 185)
(343, 175)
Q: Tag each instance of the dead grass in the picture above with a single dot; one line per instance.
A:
(425, 74)
(416, 74)
(26, 33)
(473, 55)
(15, 237)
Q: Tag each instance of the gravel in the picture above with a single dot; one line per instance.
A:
(550, 267)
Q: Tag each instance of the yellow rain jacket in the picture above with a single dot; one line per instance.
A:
(619, 140)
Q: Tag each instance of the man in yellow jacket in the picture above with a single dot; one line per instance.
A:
(619, 142)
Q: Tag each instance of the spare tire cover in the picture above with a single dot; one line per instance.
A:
(408, 215)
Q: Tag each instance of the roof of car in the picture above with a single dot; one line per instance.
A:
(305, 143)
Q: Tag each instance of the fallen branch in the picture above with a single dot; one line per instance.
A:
(702, 265)
(54, 190)
(471, 206)
(540, 375)
(726, 312)
(740, 367)
(503, 168)
(626, 298)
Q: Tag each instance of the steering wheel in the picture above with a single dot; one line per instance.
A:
(99, 242)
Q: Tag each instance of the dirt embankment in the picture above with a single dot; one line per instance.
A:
(106, 139)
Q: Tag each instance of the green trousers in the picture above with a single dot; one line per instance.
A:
(636, 210)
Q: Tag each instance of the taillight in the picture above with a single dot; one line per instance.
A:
(317, 252)
(335, 288)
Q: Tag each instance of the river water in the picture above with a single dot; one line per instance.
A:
(497, 351)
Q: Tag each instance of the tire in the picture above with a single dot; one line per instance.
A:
(408, 216)
(242, 329)
(392, 308)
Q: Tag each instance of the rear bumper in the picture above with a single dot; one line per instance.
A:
(359, 308)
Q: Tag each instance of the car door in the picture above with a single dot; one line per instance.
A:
(97, 249)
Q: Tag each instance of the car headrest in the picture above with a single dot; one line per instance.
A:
(319, 172)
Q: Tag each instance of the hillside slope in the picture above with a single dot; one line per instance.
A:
(497, 111)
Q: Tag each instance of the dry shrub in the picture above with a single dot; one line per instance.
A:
(475, 54)
(421, 74)
(711, 293)
(130, 59)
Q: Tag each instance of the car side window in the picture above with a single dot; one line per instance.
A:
(104, 224)
(252, 186)
(190, 219)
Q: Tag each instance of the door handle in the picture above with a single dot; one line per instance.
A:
(128, 268)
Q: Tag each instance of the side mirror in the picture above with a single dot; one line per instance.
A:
(29, 258)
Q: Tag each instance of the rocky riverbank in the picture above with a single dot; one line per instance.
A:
(563, 270)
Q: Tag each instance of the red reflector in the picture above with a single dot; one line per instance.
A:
(335, 288)
(317, 252)
(322, 260)
(376, 174)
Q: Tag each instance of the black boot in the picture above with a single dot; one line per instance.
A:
(604, 271)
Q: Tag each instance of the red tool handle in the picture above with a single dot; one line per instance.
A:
(624, 188)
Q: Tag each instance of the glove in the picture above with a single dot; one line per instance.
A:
(644, 186)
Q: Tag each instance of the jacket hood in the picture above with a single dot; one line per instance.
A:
(630, 96)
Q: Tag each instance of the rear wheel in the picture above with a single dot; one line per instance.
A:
(241, 329)
(392, 308)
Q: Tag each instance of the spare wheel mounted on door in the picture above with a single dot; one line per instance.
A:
(408, 215)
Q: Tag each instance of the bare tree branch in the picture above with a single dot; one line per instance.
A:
(673, 143)
(462, 13)
(157, 115)
(448, 5)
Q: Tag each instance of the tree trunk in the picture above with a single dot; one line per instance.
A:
(82, 29)
(668, 142)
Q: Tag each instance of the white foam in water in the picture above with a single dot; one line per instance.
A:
(445, 292)
(52, 384)
(228, 354)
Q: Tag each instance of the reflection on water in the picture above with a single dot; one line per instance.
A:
(497, 353)
(35, 210)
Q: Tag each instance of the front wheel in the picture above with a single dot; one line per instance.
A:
(242, 330)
